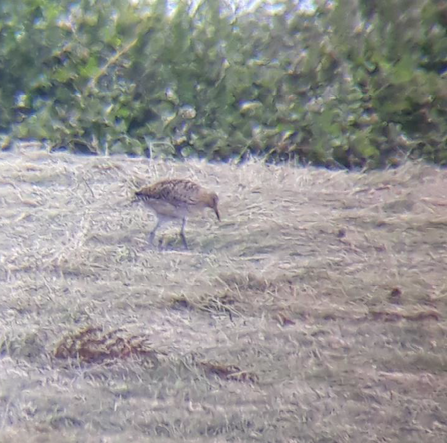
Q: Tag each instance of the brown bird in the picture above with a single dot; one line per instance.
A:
(176, 199)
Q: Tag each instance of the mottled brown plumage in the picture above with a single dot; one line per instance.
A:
(176, 199)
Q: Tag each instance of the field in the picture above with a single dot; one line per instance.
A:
(315, 311)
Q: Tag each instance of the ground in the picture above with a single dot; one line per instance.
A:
(314, 312)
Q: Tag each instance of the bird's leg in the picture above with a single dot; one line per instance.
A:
(182, 233)
(152, 234)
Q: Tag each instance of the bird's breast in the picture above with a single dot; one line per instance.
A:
(166, 209)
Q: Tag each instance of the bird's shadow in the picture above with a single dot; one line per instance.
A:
(169, 241)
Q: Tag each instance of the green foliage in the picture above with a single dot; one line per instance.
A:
(351, 83)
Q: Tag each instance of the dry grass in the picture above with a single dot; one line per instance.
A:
(315, 312)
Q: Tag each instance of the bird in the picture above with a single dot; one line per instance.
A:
(176, 199)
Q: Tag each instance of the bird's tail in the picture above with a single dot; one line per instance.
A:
(135, 197)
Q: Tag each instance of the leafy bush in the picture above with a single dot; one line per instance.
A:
(350, 83)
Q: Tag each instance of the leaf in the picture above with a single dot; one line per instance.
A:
(91, 68)
(403, 71)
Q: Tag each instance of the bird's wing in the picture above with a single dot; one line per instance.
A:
(175, 192)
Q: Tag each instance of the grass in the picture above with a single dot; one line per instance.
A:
(314, 312)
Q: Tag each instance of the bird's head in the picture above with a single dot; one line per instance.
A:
(212, 202)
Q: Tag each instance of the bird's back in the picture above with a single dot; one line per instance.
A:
(172, 197)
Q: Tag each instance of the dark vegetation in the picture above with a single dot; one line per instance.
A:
(352, 83)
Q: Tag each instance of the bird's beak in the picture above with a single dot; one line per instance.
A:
(217, 213)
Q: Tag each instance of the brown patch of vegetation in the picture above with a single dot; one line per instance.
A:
(93, 345)
(284, 319)
(228, 372)
(397, 316)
